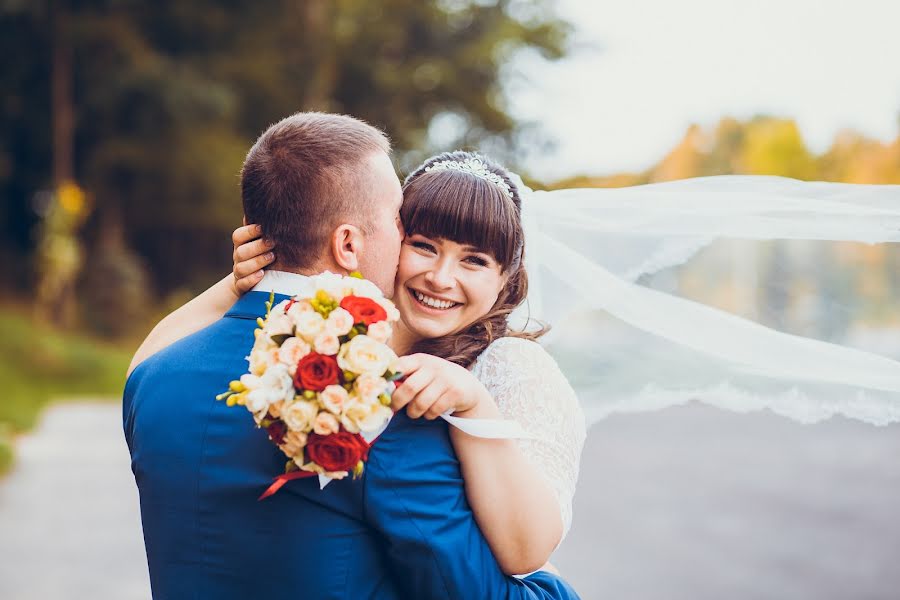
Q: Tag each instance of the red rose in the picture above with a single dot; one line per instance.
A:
(363, 310)
(339, 451)
(316, 372)
(277, 430)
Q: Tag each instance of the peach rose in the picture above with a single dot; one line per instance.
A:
(326, 423)
(334, 398)
(327, 343)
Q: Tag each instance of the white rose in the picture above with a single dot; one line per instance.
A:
(326, 424)
(257, 402)
(278, 323)
(369, 386)
(393, 314)
(327, 343)
(309, 325)
(261, 357)
(251, 382)
(339, 322)
(297, 308)
(365, 416)
(380, 331)
(365, 289)
(278, 383)
(333, 398)
(362, 354)
(291, 351)
(331, 283)
(299, 415)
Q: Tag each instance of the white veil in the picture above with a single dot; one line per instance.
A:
(741, 292)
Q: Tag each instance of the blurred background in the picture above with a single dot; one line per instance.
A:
(123, 126)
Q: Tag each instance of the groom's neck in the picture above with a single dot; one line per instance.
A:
(314, 270)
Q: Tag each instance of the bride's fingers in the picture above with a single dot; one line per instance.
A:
(245, 233)
(442, 405)
(425, 400)
(245, 284)
(249, 266)
(256, 248)
(412, 385)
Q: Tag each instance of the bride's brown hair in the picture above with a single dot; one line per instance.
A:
(465, 208)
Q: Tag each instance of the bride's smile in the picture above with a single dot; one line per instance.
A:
(443, 286)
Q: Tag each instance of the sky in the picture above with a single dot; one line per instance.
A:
(641, 71)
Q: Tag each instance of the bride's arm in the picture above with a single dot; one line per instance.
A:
(515, 497)
(250, 256)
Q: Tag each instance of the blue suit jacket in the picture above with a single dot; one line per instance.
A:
(403, 530)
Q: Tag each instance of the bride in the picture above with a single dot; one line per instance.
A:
(461, 273)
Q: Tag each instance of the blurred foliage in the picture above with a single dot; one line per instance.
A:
(168, 96)
(762, 146)
(38, 362)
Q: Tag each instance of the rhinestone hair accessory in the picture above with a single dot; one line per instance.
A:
(476, 167)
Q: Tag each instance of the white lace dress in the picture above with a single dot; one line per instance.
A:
(528, 386)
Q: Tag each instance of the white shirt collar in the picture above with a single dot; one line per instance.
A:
(283, 282)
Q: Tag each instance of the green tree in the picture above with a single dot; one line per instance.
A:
(168, 96)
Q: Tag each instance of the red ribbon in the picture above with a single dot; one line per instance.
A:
(283, 479)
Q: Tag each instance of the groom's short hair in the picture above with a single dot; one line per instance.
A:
(303, 177)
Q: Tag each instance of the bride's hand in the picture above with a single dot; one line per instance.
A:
(251, 255)
(432, 386)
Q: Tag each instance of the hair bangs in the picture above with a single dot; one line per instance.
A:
(464, 209)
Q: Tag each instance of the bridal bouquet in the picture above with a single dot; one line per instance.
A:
(321, 377)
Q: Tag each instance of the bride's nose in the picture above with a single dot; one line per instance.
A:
(440, 276)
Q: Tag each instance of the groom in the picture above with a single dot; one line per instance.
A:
(323, 188)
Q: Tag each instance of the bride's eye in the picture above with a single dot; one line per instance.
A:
(477, 260)
(423, 246)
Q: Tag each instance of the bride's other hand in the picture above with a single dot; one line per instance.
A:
(433, 386)
(251, 255)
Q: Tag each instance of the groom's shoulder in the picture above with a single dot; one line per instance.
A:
(225, 341)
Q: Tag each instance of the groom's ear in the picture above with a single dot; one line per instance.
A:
(346, 245)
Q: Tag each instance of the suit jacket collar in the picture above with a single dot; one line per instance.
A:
(284, 284)
(252, 305)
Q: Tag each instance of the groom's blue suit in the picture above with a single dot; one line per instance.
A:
(403, 530)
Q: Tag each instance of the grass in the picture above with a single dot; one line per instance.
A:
(39, 364)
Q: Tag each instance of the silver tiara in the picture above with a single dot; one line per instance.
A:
(477, 168)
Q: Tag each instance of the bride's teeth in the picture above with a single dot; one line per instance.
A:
(433, 302)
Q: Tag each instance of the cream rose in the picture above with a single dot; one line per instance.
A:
(362, 355)
(334, 398)
(380, 331)
(291, 351)
(299, 415)
(365, 416)
(327, 343)
(339, 322)
(326, 423)
(369, 387)
(309, 325)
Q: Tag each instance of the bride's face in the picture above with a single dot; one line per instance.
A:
(442, 287)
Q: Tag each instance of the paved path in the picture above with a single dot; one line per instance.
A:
(693, 503)
(689, 503)
(69, 520)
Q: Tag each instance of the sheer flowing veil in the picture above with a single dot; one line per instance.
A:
(743, 292)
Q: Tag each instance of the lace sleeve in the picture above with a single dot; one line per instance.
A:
(528, 386)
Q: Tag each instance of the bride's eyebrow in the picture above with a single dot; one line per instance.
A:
(474, 249)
